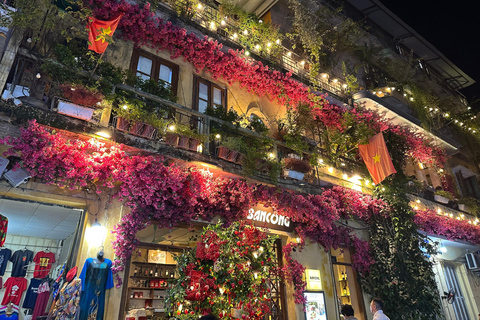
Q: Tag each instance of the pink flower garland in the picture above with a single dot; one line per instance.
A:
(453, 229)
(294, 271)
(140, 26)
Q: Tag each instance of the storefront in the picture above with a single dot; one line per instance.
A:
(41, 241)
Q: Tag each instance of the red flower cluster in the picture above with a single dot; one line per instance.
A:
(81, 95)
(201, 286)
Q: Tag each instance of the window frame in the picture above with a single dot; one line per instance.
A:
(211, 86)
(156, 63)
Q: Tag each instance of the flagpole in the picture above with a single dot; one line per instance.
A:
(101, 56)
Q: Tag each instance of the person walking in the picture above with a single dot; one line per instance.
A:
(347, 312)
(376, 307)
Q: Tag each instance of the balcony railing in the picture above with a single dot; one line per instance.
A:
(338, 171)
(207, 16)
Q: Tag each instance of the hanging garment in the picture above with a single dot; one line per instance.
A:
(3, 229)
(9, 312)
(43, 263)
(42, 300)
(31, 296)
(68, 299)
(5, 254)
(14, 288)
(96, 279)
(20, 259)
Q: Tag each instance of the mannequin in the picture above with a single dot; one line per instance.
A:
(96, 279)
(100, 255)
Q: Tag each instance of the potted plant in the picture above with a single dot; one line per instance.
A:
(134, 116)
(469, 204)
(229, 149)
(78, 101)
(296, 168)
(443, 196)
(188, 137)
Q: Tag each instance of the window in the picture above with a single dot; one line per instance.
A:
(148, 66)
(206, 94)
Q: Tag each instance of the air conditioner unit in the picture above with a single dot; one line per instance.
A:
(3, 165)
(17, 177)
(472, 261)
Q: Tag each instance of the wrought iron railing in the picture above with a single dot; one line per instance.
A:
(287, 59)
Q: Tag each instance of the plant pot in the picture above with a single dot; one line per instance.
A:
(233, 156)
(148, 131)
(440, 199)
(122, 124)
(183, 142)
(74, 110)
(137, 127)
(293, 174)
(223, 152)
(193, 144)
(171, 139)
(462, 207)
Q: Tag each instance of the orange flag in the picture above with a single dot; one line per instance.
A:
(377, 158)
(99, 31)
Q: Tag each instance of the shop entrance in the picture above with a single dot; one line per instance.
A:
(346, 284)
(40, 239)
(152, 265)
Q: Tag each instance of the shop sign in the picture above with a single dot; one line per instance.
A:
(268, 218)
(314, 282)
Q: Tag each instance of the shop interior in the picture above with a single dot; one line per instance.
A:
(346, 284)
(40, 234)
(150, 267)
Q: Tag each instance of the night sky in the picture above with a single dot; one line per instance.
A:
(453, 27)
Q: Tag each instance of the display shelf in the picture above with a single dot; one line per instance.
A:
(146, 299)
(148, 288)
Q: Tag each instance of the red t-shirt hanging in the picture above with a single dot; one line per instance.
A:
(43, 263)
(14, 288)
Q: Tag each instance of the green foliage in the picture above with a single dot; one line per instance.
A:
(256, 158)
(136, 109)
(445, 194)
(258, 33)
(189, 131)
(218, 111)
(47, 24)
(322, 34)
(232, 143)
(402, 274)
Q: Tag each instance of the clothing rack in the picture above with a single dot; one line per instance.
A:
(33, 264)
(28, 245)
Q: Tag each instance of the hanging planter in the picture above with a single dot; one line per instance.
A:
(171, 138)
(148, 131)
(122, 124)
(293, 174)
(296, 168)
(183, 142)
(74, 110)
(193, 144)
(137, 128)
(223, 152)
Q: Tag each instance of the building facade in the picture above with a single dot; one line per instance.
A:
(285, 137)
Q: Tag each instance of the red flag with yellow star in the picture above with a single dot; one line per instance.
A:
(100, 31)
(377, 158)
